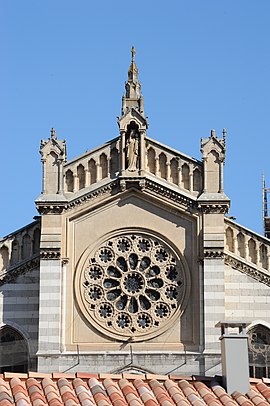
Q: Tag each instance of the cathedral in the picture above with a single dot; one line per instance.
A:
(133, 261)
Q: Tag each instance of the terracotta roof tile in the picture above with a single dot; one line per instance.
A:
(86, 375)
(5, 402)
(83, 389)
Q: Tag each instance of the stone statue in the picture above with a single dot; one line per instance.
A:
(132, 151)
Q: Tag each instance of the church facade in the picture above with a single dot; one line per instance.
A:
(132, 261)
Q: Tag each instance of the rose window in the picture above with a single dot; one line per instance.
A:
(132, 286)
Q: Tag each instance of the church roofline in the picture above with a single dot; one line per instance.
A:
(248, 230)
(92, 151)
(173, 151)
(27, 226)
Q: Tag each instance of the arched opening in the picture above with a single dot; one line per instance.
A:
(26, 246)
(36, 241)
(252, 251)
(114, 162)
(151, 155)
(241, 245)
(163, 166)
(230, 239)
(69, 181)
(263, 256)
(81, 176)
(185, 176)
(174, 171)
(13, 351)
(103, 165)
(14, 252)
(93, 171)
(4, 257)
(212, 166)
(259, 351)
(197, 180)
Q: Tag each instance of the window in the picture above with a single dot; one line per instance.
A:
(259, 352)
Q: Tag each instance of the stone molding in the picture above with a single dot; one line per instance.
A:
(214, 208)
(122, 184)
(213, 253)
(253, 272)
(50, 253)
(113, 188)
(169, 194)
(20, 269)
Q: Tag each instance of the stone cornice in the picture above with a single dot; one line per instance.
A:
(213, 253)
(170, 194)
(122, 184)
(56, 208)
(14, 272)
(220, 208)
(255, 273)
(115, 187)
(50, 253)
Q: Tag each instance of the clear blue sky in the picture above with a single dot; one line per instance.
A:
(203, 64)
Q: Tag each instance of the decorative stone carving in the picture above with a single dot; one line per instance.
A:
(213, 253)
(254, 273)
(114, 187)
(50, 253)
(215, 208)
(16, 271)
(132, 286)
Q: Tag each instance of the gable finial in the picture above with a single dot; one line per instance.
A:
(53, 133)
(133, 53)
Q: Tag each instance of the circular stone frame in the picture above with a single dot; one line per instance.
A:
(132, 285)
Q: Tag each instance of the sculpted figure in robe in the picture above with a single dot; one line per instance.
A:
(132, 151)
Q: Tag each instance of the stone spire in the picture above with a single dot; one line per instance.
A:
(133, 97)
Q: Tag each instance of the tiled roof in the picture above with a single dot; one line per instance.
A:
(85, 389)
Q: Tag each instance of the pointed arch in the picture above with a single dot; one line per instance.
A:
(14, 353)
(15, 253)
(252, 250)
(241, 245)
(69, 181)
(36, 241)
(81, 176)
(93, 171)
(114, 162)
(151, 158)
(263, 256)
(26, 246)
(213, 169)
(259, 351)
(4, 257)
(197, 180)
(230, 239)
(163, 165)
(103, 161)
(185, 176)
(174, 171)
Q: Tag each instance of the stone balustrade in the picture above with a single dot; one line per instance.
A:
(104, 162)
(247, 245)
(174, 167)
(92, 167)
(20, 246)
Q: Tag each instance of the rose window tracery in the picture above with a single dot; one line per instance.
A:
(132, 285)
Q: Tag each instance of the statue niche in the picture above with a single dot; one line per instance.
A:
(132, 147)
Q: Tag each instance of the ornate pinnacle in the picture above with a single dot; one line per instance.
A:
(224, 133)
(133, 70)
(133, 52)
(53, 133)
